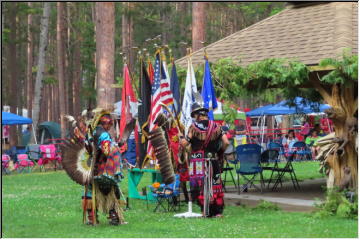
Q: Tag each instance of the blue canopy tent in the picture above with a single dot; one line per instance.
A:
(282, 108)
(13, 119)
(301, 106)
(259, 111)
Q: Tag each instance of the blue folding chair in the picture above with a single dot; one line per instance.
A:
(278, 147)
(167, 196)
(33, 151)
(249, 157)
(16, 150)
(301, 152)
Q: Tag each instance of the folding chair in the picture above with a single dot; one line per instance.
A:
(230, 157)
(49, 154)
(34, 153)
(168, 196)
(288, 169)
(268, 157)
(23, 163)
(249, 156)
(15, 151)
(301, 151)
(5, 161)
(278, 147)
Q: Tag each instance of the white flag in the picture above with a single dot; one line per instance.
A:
(190, 87)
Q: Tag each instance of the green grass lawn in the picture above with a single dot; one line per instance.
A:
(47, 204)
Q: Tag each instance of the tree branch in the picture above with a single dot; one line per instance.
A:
(323, 92)
(355, 106)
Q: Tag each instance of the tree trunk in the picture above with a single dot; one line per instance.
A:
(61, 63)
(105, 46)
(44, 26)
(127, 34)
(52, 95)
(55, 86)
(166, 23)
(29, 79)
(4, 61)
(13, 68)
(56, 103)
(182, 10)
(198, 25)
(68, 76)
(42, 117)
(95, 82)
(344, 107)
(48, 101)
(77, 77)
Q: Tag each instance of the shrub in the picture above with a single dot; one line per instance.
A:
(337, 204)
(344, 210)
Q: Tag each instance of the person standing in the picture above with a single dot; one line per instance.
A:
(107, 171)
(178, 156)
(208, 142)
(130, 153)
(102, 159)
(305, 128)
(26, 136)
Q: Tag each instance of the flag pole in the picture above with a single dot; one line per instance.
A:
(172, 62)
(132, 84)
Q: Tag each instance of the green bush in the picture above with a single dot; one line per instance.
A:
(322, 214)
(344, 210)
(337, 204)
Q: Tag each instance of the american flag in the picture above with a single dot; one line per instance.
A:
(160, 92)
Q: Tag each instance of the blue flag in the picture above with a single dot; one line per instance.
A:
(208, 91)
(175, 89)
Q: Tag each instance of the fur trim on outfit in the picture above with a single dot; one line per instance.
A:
(105, 203)
(201, 135)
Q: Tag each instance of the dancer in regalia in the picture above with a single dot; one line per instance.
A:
(208, 142)
(100, 177)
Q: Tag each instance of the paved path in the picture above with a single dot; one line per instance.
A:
(286, 197)
(289, 201)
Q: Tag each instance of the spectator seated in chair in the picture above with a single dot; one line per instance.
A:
(289, 140)
(240, 134)
(311, 142)
(320, 131)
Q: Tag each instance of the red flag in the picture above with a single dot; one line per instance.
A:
(150, 72)
(128, 101)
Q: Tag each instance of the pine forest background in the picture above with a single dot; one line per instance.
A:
(78, 32)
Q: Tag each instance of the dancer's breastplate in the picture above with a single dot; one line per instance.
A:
(98, 154)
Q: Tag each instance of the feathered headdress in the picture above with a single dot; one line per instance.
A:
(99, 112)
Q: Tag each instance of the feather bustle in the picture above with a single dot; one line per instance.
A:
(70, 158)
